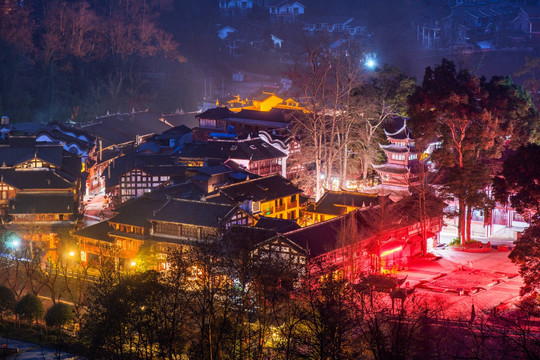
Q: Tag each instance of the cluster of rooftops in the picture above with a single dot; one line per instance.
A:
(177, 186)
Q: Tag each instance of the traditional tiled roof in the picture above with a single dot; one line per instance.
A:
(192, 212)
(33, 179)
(391, 148)
(247, 237)
(185, 190)
(261, 189)
(319, 238)
(99, 231)
(139, 212)
(151, 164)
(276, 224)
(401, 131)
(136, 212)
(391, 168)
(16, 150)
(363, 224)
(284, 2)
(248, 149)
(123, 128)
(243, 239)
(275, 115)
(335, 202)
(42, 203)
(216, 113)
(57, 131)
(173, 132)
(71, 166)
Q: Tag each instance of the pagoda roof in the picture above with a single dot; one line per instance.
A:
(403, 131)
(393, 148)
(391, 168)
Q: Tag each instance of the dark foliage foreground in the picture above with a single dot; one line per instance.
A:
(200, 310)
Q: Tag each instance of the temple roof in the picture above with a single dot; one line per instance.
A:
(391, 168)
(402, 132)
(392, 148)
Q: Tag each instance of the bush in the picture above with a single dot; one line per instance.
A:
(7, 300)
(29, 308)
(455, 242)
(59, 315)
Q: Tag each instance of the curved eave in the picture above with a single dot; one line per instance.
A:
(401, 134)
(391, 148)
(391, 169)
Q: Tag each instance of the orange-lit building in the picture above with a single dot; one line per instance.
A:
(336, 203)
(159, 226)
(270, 196)
(266, 112)
(373, 239)
(39, 190)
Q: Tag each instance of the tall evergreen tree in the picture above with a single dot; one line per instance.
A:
(474, 120)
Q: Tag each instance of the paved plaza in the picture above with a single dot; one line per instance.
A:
(462, 279)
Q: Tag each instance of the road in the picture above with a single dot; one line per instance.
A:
(96, 210)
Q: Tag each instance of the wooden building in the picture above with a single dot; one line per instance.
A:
(269, 196)
(336, 203)
(160, 225)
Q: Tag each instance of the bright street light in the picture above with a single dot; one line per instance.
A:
(14, 242)
(370, 61)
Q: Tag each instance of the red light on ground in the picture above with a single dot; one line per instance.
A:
(388, 252)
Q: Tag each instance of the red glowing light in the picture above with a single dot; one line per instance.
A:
(388, 252)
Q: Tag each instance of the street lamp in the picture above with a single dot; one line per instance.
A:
(14, 242)
(370, 61)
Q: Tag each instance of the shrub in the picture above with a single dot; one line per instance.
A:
(59, 315)
(29, 308)
(7, 300)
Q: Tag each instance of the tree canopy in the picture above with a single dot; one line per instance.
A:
(29, 307)
(7, 300)
(474, 120)
(73, 60)
(59, 315)
(519, 183)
